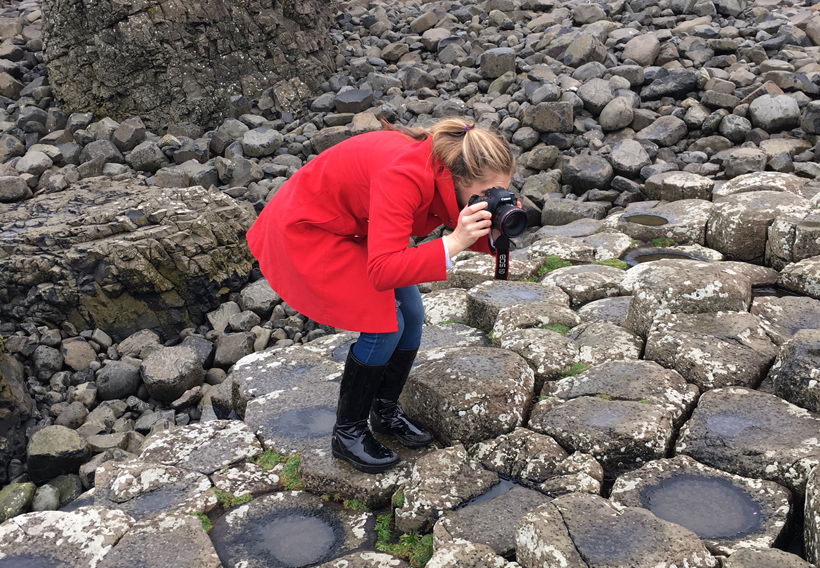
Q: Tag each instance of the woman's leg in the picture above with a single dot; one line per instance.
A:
(387, 416)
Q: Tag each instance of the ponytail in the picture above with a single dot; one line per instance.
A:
(468, 152)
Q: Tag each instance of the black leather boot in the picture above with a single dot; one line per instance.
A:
(352, 439)
(386, 415)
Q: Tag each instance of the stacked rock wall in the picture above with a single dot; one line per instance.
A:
(183, 60)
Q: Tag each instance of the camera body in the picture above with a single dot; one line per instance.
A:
(509, 219)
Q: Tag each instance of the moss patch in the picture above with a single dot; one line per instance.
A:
(267, 460)
(604, 396)
(552, 262)
(663, 242)
(228, 500)
(289, 475)
(574, 370)
(614, 263)
(203, 518)
(558, 328)
(412, 547)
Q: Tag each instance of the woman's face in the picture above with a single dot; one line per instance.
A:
(480, 187)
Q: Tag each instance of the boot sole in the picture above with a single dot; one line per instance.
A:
(363, 467)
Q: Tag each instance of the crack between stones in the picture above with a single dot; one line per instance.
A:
(572, 540)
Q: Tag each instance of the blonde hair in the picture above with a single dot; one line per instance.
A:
(468, 152)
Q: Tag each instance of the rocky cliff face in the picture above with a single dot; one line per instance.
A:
(122, 257)
(183, 60)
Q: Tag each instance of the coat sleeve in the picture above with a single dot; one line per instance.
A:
(395, 197)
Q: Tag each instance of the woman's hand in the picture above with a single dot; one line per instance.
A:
(473, 223)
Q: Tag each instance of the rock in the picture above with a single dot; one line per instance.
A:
(672, 488)
(762, 181)
(57, 538)
(537, 461)
(169, 372)
(77, 353)
(47, 361)
(262, 141)
(628, 157)
(47, 498)
(118, 380)
(15, 499)
(586, 283)
(231, 347)
(584, 49)
(585, 172)
(612, 310)
(802, 277)
(205, 448)
(138, 287)
(745, 432)
(685, 287)
(180, 537)
(492, 522)
(196, 90)
(642, 49)
(571, 529)
(738, 223)
(617, 114)
(793, 374)
(764, 558)
(665, 131)
(133, 345)
(676, 186)
(712, 350)
(258, 298)
(783, 317)
(53, 451)
(143, 490)
(744, 161)
(73, 416)
(670, 84)
(248, 477)
(552, 117)
(774, 113)
(13, 188)
(147, 157)
(441, 480)
(488, 399)
(368, 559)
(485, 301)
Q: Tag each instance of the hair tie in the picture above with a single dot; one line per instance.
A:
(468, 127)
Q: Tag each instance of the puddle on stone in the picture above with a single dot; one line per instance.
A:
(496, 490)
(523, 295)
(770, 291)
(285, 539)
(650, 220)
(641, 258)
(340, 353)
(32, 561)
(710, 507)
(305, 423)
(728, 425)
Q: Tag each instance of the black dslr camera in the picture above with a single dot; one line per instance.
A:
(509, 219)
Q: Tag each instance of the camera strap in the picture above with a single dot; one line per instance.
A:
(502, 258)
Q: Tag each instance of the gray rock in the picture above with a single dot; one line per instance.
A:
(133, 345)
(617, 114)
(77, 353)
(712, 350)
(682, 221)
(262, 141)
(612, 310)
(58, 538)
(129, 134)
(495, 62)
(101, 149)
(34, 163)
(47, 361)
(73, 416)
(670, 84)
(642, 49)
(744, 161)
(369, 559)
(793, 374)
(169, 372)
(118, 380)
(584, 49)
(693, 486)
(628, 157)
(552, 117)
(147, 157)
(180, 537)
(13, 188)
(685, 287)
(485, 301)
(764, 558)
(47, 498)
(441, 480)
(735, 128)
(587, 172)
(53, 451)
(675, 186)
(548, 353)
(784, 317)
(586, 283)
(231, 347)
(488, 399)
(205, 448)
(570, 531)
(665, 131)
(753, 434)
(774, 113)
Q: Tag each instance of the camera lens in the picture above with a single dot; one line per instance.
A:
(512, 221)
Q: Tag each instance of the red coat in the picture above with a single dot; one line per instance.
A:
(333, 242)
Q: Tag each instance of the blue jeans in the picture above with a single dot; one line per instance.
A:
(376, 348)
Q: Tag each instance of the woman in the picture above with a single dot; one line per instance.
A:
(333, 243)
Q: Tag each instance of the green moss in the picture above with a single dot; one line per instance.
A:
(574, 370)
(355, 505)
(552, 262)
(604, 396)
(633, 244)
(398, 500)
(412, 547)
(448, 322)
(228, 500)
(545, 397)
(532, 278)
(558, 328)
(290, 474)
(614, 263)
(645, 401)
(267, 460)
(490, 336)
(203, 518)
(663, 242)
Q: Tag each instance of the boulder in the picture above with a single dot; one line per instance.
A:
(196, 88)
(114, 256)
(794, 373)
(469, 394)
(55, 450)
(170, 371)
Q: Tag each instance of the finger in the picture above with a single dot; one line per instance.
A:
(477, 206)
